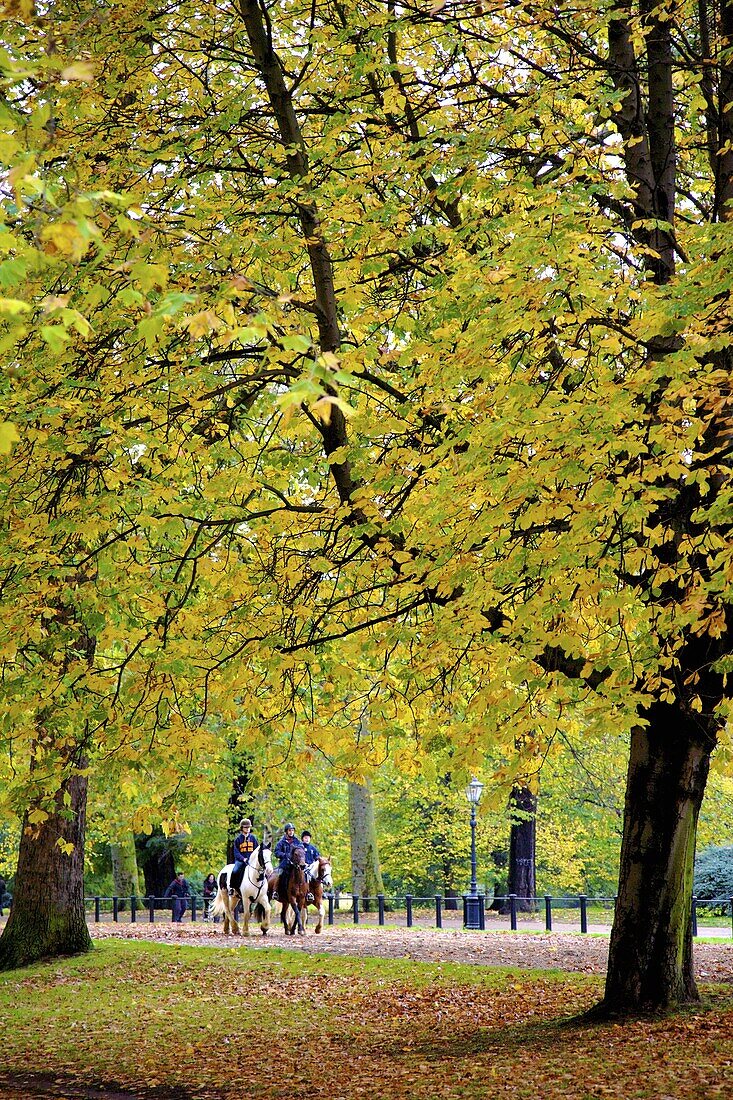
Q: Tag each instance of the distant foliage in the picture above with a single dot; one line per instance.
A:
(714, 873)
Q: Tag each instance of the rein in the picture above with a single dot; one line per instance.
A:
(261, 873)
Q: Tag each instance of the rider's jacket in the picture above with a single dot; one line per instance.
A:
(285, 848)
(244, 846)
(311, 853)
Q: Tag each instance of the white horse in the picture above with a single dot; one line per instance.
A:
(246, 883)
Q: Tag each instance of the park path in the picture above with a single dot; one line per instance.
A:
(546, 951)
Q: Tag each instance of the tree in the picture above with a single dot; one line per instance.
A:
(522, 847)
(661, 472)
(46, 922)
(157, 854)
(124, 866)
(428, 342)
(366, 876)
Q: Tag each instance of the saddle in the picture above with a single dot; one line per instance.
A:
(235, 882)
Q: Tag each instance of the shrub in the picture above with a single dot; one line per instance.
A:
(714, 874)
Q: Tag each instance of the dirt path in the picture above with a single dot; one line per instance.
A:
(546, 951)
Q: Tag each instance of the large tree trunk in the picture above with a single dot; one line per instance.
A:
(158, 864)
(124, 867)
(650, 958)
(522, 878)
(366, 876)
(47, 918)
(238, 793)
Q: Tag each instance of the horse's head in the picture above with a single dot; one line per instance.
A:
(297, 857)
(324, 864)
(260, 861)
(264, 858)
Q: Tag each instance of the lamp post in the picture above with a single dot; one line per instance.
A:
(473, 912)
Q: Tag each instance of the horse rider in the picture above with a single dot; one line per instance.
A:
(311, 855)
(285, 849)
(286, 845)
(311, 852)
(245, 843)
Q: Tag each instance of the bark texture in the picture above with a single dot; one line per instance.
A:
(650, 956)
(237, 805)
(366, 876)
(124, 867)
(158, 863)
(522, 843)
(47, 918)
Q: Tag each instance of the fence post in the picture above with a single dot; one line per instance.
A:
(193, 907)
(438, 911)
(356, 908)
(133, 909)
(583, 912)
(115, 907)
(482, 912)
(151, 903)
(694, 915)
(96, 909)
(513, 912)
(330, 908)
(548, 913)
(380, 905)
(408, 909)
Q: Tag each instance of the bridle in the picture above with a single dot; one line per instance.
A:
(261, 872)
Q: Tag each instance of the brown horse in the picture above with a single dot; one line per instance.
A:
(291, 888)
(318, 876)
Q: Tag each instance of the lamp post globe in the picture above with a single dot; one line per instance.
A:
(474, 791)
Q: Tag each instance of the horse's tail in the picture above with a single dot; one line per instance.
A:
(217, 907)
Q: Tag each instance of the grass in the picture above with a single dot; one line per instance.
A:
(203, 1023)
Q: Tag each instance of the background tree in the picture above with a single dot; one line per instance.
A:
(366, 874)
(123, 856)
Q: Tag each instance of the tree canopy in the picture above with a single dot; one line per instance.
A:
(370, 358)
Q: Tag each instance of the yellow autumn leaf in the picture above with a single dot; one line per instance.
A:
(200, 324)
(65, 239)
(8, 436)
(13, 306)
(79, 70)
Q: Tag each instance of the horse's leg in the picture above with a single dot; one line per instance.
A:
(232, 910)
(265, 922)
(290, 927)
(245, 915)
(321, 915)
(298, 909)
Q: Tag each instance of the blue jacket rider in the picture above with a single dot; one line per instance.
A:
(286, 845)
(311, 852)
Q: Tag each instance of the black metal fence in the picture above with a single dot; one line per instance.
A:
(427, 911)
